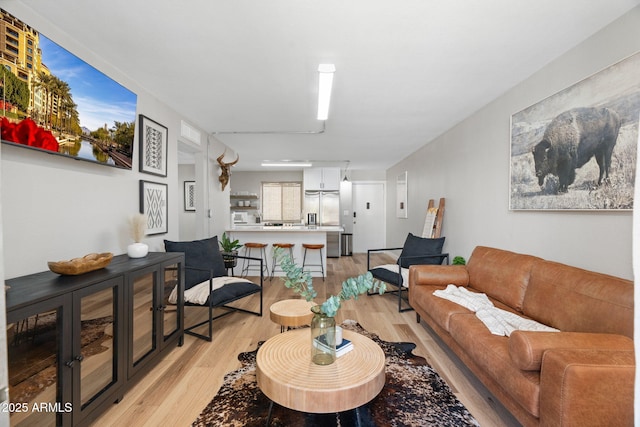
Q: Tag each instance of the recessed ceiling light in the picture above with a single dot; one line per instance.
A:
(287, 164)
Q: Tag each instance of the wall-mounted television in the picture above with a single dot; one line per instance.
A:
(54, 102)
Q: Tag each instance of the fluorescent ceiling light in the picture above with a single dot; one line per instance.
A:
(287, 164)
(325, 73)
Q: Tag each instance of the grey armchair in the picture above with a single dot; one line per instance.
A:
(416, 250)
(207, 284)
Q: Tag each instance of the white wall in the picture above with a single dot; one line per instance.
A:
(252, 181)
(187, 219)
(217, 215)
(366, 175)
(57, 208)
(469, 166)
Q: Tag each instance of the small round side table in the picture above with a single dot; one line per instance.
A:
(291, 313)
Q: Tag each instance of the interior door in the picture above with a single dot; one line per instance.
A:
(369, 220)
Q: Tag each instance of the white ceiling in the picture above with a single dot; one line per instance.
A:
(406, 70)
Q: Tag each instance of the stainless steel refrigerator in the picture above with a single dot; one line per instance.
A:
(326, 204)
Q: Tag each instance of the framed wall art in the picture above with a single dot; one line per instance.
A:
(153, 147)
(153, 203)
(189, 196)
(576, 150)
(401, 204)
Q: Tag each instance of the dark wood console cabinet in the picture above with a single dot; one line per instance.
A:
(77, 343)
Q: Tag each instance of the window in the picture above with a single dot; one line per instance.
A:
(282, 201)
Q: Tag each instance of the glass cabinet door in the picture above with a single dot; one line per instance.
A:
(34, 351)
(95, 349)
(169, 298)
(142, 327)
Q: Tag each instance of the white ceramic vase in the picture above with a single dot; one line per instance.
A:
(137, 250)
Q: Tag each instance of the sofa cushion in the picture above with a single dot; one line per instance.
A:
(389, 273)
(416, 250)
(491, 353)
(500, 274)
(528, 348)
(202, 258)
(440, 310)
(231, 292)
(439, 275)
(576, 300)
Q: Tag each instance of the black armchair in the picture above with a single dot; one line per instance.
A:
(416, 250)
(207, 284)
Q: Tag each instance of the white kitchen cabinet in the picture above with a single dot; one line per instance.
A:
(322, 179)
(312, 178)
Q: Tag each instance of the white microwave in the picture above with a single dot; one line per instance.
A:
(239, 218)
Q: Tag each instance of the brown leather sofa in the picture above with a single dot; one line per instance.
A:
(581, 376)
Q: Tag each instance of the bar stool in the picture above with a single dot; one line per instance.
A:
(313, 247)
(250, 264)
(274, 262)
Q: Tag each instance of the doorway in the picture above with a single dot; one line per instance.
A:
(369, 216)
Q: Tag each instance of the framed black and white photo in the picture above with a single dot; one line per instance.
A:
(153, 147)
(189, 196)
(153, 203)
(576, 149)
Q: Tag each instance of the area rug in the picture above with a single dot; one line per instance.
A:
(413, 395)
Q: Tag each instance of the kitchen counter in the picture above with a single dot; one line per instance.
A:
(280, 228)
(296, 234)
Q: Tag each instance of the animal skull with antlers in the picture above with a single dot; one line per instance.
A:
(225, 169)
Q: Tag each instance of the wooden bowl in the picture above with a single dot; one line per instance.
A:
(82, 265)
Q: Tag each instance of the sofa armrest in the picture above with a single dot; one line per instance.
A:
(527, 348)
(438, 275)
(587, 387)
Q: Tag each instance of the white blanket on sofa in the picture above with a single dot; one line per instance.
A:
(498, 321)
(200, 292)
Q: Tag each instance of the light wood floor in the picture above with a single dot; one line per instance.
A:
(177, 390)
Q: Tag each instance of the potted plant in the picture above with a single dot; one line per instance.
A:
(229, 250)
(323, 322)
(137, 226)
(459, 261)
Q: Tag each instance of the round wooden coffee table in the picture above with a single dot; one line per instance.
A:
(287, 376)
(291, 313)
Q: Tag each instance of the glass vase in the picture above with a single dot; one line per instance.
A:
(323, 341)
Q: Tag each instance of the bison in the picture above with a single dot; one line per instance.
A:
(571, 139)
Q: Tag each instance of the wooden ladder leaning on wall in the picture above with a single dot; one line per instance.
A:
(433, 221)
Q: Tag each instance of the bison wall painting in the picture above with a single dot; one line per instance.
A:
(576, 149)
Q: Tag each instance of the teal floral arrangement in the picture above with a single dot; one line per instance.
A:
(301, 283)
